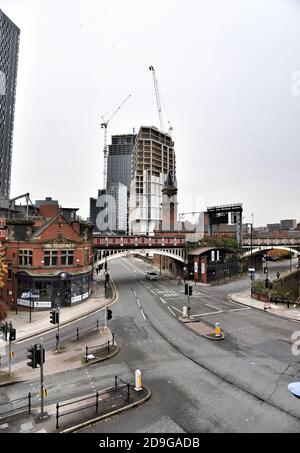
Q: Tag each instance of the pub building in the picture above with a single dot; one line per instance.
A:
(49, 258)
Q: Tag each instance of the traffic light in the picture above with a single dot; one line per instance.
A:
(40, 355)
(266, 283)
(107, 276)
(12, 334)
(54, 317)
(32, 356)
(109, 314)
(190, 290)
(186, 289)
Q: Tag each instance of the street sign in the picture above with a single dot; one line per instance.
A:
(251, 269)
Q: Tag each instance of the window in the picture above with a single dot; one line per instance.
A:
(67, 257)
(50, 258)
(25, 258)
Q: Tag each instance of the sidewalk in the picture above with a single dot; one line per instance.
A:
(112, 401)
(71, 356)
(244, 298)
(40, 320)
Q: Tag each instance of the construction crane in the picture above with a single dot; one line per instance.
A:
(104, 125)
(157, 98)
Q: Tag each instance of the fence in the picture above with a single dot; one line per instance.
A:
(75, 333)
(98, 348)
(15, 410)
(97, 402)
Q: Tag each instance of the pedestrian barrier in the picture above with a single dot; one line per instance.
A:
(79, 331)
(101, 404)
(15, 410)
(91, 350)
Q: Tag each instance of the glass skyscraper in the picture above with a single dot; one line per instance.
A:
(119, 160)
(9, 50)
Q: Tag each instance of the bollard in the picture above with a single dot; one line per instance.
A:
(57, 415)
(184, 311)
(113, 339)
(218, 329)
(97, 402)
(29, 403)
(138, 380)
(86, 353)
(97, 325)
(116, 382)
(77, 333)
(108, 346)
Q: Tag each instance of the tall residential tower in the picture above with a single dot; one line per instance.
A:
(9, 49)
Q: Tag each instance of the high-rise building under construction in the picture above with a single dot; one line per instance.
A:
(153, 157)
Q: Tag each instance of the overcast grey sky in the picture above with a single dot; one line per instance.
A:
(224, 69)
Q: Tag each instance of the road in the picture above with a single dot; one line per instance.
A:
(236, 385)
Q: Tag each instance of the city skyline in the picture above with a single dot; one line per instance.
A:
(233, 103)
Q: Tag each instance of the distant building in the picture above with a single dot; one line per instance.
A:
(273, 227)
(49, 258)
(153, 157)
(9, 50)
(289, 224)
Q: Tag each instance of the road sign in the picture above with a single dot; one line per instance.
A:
(251, 269)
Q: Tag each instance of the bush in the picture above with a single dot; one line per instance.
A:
(3, 311)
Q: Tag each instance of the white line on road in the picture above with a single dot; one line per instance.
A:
(152, 291)
(163, 300)
(211, 306)
(171, 311)
(206, 314)
(239, 309)
(177, 309)
(138, 302)
(134, 293)
(143, 315)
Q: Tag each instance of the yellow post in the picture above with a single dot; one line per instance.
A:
(138, 380)
(218, 329)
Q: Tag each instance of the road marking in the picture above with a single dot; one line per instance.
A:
(138, 302)
(4, 426)
(206, 314)
(240, 309)
(171, 311)
(143, 315)
(134, 293)
(177, 309)
(163, 300)
(152, 291)
(211, 306)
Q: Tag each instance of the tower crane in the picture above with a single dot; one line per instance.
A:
(151, 68)
(104, 125)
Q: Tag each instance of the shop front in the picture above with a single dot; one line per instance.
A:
(45, 291)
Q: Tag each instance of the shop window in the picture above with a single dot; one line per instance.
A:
(67, 257)
(50, 258)
(25, 257)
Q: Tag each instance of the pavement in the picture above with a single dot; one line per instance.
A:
(76, 413)
(244, 298)
(40, 320)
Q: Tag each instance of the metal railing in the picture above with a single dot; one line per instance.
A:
(97, 348)
(96, 399)
(15, 410)
(75, 333)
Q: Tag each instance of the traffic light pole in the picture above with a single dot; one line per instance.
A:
(58, 326)
(105, 317)
(9, 349)
(42, 380)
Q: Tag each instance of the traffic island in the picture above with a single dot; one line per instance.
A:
(203, 329)
(213, 336)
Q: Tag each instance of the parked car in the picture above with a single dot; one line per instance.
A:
(152, 275)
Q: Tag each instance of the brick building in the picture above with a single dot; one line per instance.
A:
(49, 258)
